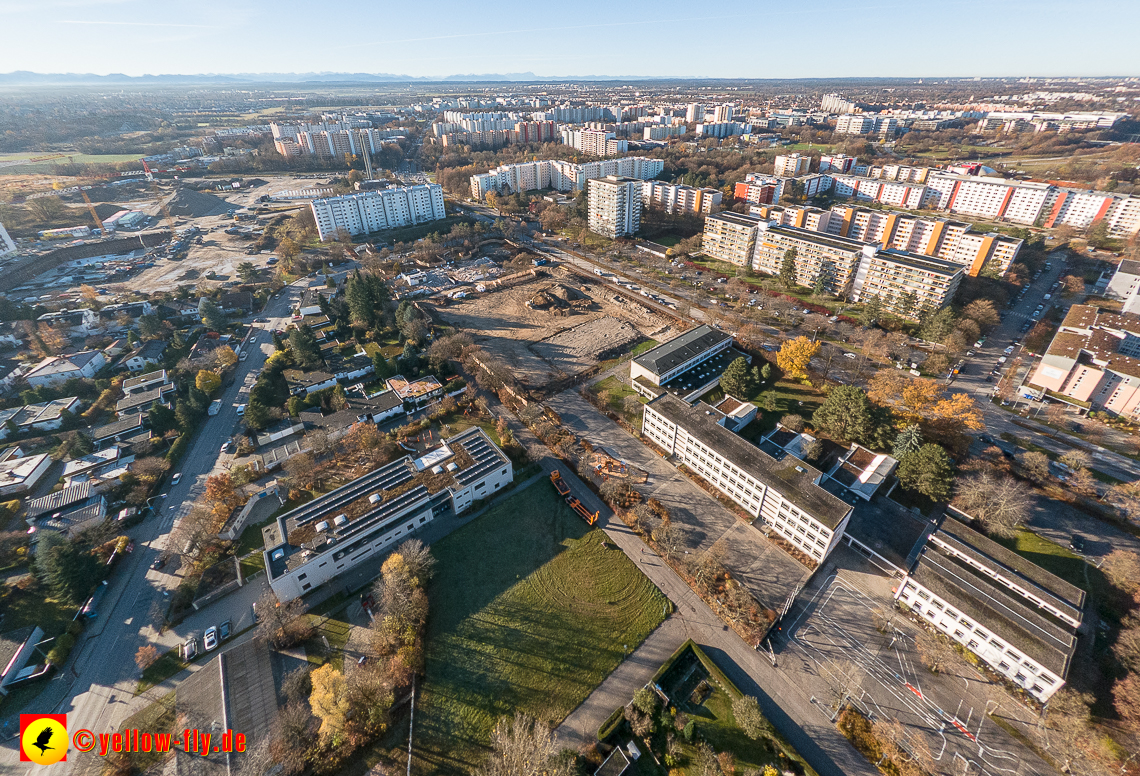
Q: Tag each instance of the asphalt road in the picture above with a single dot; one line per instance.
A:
(102, 674)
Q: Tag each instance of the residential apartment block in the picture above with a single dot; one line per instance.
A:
(329, 536)
(759, 191)
(905, 282)
(900, 194)
(373, 211)
(663, 131)
(292, 140)
(780, 490)
(722, 129)
(595, 142)
(679, 199)
(837, 163)
(615, 206)
(1021, 202)
(791, 165)
(1018, 618)
(1094, 361)
(865, 124)
(563, 176)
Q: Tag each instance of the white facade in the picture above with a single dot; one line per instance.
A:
(837, 163)
(722, 113)
(777, 491)
(373, 211)
(559, 175)
(792, 165)
(673, 198)
(615, 206)
(6, 244)
(695, 112)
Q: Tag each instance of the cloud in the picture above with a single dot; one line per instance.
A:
(135, 24)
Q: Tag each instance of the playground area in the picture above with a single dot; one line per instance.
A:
(604, 466)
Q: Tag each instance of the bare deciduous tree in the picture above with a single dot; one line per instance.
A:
(999, 502)
(936, 651)
(521, 747)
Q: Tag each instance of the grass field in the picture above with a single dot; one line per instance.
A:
(46, 166)
(791, 397)
(528, 613)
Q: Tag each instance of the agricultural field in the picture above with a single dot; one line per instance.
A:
(36, 161)
(528, 612)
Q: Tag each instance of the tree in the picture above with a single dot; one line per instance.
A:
(1036, 465)
(792, 422)
(69, 568)
(150, 326)
(282, 624)
(212, 316)
(146, 656)
(523, 747)
(46, 209)
(935, 650)
(766, 372)
(788, 268)
(999, 502)
(739, 379)
(909, 440)
(811, 450)
(1122, 568)
(247, 271)
(845, 414)
(668, 537)
(872, 311)
(928, 471)
(418, 561)
(303, 343)
(224, 357)
(769, 401)
(328, 700)
(795, 355)
(1076, 459)
(208, 382)
(982, 312)
(257, 415)
(749, 718)
(937, 325)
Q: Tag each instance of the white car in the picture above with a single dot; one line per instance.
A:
(174, 480)
(241, 409)
(849, 355)
(1009, 350)
(210, 639)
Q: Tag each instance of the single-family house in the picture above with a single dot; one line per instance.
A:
(21, 474)
(55, 370)
(145, 401)
(147, 354)
(126, 426)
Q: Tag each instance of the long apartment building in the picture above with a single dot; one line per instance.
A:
(560, 175)
(374, 211)
(358, 522)
(865, 124)
(673, 198)
(905, 282)
(898, 193)
(952, 241)
(791, 165)
(614, 205)
(1094, 361)
(1021, 620)
(292, 141)
(783, 492)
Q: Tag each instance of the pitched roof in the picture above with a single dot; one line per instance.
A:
(121, 426)
(53, 502)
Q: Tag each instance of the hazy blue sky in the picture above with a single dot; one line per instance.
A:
(817, 38)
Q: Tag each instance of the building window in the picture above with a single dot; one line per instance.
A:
(306, 586)
(302, 577)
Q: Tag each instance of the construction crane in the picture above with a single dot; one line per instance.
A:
(91, 209)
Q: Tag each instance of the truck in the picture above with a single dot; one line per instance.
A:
(215, 407)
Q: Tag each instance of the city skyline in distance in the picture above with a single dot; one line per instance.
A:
(592, 40)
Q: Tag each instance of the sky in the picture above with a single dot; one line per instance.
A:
(759, 39)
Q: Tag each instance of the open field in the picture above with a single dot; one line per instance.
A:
(13, 164)
(586, 324)
(528, 612)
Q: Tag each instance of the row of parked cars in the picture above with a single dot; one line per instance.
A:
(210, 640)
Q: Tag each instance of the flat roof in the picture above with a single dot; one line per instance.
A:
(793, 479)
(681, 349)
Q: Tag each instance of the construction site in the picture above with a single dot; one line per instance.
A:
(548, 329)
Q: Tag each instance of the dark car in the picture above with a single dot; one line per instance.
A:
(224, 630)
(158, 562)
(1077, 543)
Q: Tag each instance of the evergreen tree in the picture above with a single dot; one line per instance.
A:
(846, 414)
(738, 380)
(872, 311)
(819, 288)
(908, 441)
(788, 268)
(303, 343)
(257, 415)
(361, 306)
(278, 342)
(380, 364)
(928, 471)
(937, 326)
(212, 315)
(766, 372)
(67, 567)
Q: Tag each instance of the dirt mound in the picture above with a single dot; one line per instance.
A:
(196, 204)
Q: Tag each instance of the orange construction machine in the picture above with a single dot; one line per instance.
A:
(559, 484)
(590, 519)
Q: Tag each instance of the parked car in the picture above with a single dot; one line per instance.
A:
(158, 562)
(849, 355)
(243, 356)
(228, 446)
(224, 630)
(241, 410)
(1077, 543)
(190, 649)
(176, 478)
(210, 639)
(1009, 350)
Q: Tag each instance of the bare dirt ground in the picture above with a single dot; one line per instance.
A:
(219, 252)
(543, 345)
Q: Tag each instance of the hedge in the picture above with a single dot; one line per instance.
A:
(178, 449)
(613, 721)
(63, 645)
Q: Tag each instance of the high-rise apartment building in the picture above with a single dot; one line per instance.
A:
(837, 163)
(560, 175)
(722, 113)
(730, 237)
(695, 112)
(792, 165)
(373, 211)
(679, 199)
(595, 142)
(615, 206)
(865, 124)
(662, 131)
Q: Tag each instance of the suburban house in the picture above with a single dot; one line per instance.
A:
(55, 370)
(147, 382)
(1018, 618)
(19, 474)
(126, 426)
(303, 383)
(148, 354)
(318, 541)
(103, 469)
(237, 303)
(69, 510)
(83, 320)
(44, 416)
(145, 401)
(415, 392)
(17, 647)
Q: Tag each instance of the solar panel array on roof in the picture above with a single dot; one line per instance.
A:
(387, 477)
(486, 456)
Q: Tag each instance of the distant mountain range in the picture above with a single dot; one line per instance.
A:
(28, 78)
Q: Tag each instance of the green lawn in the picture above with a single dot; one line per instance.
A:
(335, 629)
(1050, 556)
(668, 240)
(791, 397)
(643, 347)
(528, 613)
(169, 663)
